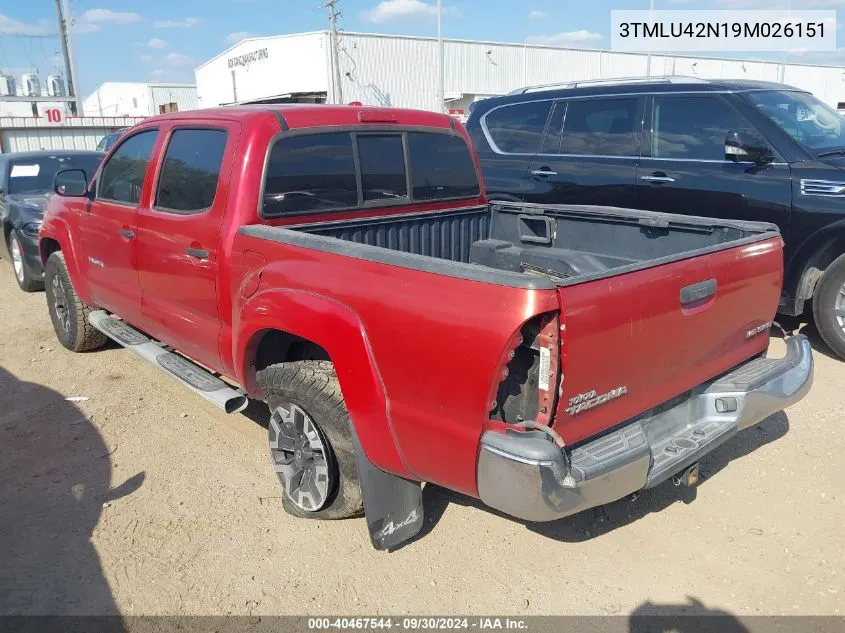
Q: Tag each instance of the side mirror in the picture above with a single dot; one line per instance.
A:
(742, 147)
(71, 182)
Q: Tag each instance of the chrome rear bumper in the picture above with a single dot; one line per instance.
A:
(527, 476)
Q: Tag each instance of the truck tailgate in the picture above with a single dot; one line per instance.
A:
(638, 340)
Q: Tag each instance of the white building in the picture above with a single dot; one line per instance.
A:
(402, 71)
(123, 99)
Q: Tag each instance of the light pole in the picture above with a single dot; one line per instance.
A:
(440, 70)
(648, 59)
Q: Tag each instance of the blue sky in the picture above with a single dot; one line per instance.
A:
(164, 40)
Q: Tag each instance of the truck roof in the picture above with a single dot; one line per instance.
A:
(304, 115)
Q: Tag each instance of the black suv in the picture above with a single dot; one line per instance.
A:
(746, 150)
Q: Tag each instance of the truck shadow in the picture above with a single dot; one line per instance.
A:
(55, 471)
(599, 521)
(688, 617)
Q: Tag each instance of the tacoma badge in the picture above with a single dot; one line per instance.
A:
(590, 399)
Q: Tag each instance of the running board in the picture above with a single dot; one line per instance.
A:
(194, 377)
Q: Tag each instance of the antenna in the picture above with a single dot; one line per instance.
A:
(331, 5)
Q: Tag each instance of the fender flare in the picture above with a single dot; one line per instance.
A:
(338, 330)
(59, 231)
(800, 273)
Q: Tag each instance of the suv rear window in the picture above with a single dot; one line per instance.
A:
(599, 127)
(317, 172)
(518, 129)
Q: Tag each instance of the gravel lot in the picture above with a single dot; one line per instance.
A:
(144, 499)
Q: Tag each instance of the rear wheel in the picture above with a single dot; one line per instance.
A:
(27, 281)
(829, 306)
(310, 440)
(67, 312)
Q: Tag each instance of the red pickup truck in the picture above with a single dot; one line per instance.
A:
(342, 264)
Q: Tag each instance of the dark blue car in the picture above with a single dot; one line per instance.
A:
(26, 184)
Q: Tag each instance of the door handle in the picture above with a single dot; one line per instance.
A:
(657, 177)
(698, 292)
(127, 233)
(545, 171)
(199, 253)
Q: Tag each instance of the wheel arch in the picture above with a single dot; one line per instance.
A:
(278, 326)
(812, 258)
(57, 238)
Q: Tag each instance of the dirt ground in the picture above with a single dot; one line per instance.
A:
(144, 499)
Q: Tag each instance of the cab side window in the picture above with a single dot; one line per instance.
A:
(123, 175)
(693, 128)
(188, 179)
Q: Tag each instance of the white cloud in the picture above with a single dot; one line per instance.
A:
(158, 74)
(157, 43)
(8, 26)
(146, 58)
(92, 20)
(178, 59)
(536, 14)
(562, 39)
(388, 10)
(187, 23)
(237, 36)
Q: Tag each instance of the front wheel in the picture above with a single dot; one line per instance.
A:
(27, 281)
(310, 440)
(67, 311)
(829, 306)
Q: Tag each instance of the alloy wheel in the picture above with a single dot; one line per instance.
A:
(839, 307)
(300, 457)
(17, 258)
(60, 303)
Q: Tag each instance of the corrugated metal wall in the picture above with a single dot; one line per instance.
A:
(185, 97)
(402, 71)
(18, 134)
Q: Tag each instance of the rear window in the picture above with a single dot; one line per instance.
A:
(317, 172)
(442, 167)
(382, 162)
(312, 172)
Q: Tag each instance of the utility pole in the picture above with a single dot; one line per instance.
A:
(335, 50)
(441, 96)
(66, 38)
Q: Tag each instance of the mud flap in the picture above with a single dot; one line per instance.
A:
(392, 505)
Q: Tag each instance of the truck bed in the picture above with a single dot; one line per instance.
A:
(568, 244)
(651, 305)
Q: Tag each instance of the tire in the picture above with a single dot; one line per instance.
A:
(310, 390)
(23, 275)
(829, 298)
(67, 312)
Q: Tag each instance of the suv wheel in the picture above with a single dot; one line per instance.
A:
(829, 306)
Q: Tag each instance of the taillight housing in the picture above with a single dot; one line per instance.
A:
(526, 379)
